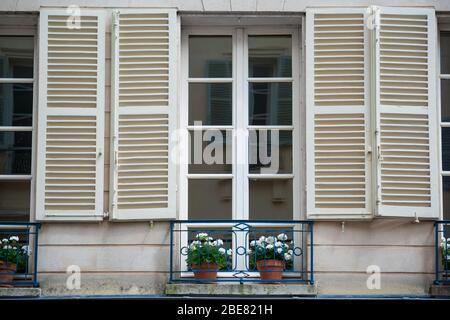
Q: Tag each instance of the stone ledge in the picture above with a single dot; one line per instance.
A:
(19, 292)
(440, 290)
(245, 289)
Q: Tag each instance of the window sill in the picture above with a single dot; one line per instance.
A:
(237, 289)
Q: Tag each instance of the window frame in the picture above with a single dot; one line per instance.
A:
(442, 27)
(240, 80)
(28, 29)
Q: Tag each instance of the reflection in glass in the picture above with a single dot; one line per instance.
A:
(271, 199)
(15, 152)
(210, 199)
(210, 56)
(270, 56)
(270, 103)
(16, 104)
(16, 57)
(214, 154)
(445, 149)
(445, 52)
(14, 200)
(445, 100)
(273, 157)
(210, 103)
(446, 197)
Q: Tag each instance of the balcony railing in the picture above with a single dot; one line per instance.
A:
(242, 243)
(19, 253)
(442, 246)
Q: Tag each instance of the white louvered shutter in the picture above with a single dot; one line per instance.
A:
(71, 116)
(406, 159)
(145, 50)
(337, 110)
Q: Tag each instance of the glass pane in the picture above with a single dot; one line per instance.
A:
(445, 52)
(271, 199)
(270, 103)
(270, 56)
(210, 56)
(270, 151)
(16, 57)
(446, 149)
(210, 151)
(446, 197)
(211, 103)
(16, 104)
(210, 199)
(445, 100)
(15, 152)
(14, 200)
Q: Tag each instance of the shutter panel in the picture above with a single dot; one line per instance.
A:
(71, 112)
(406, 122)
(337, 109)
(144, 103)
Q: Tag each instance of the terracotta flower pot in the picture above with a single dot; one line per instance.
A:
(7, 271)
(205, 271)
(270, 269)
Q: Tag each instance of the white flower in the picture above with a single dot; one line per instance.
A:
(229, 252)
(222, 250)
(249, 251)
(262, 239)
(290, 252)
(5, 240)
(202, 236)
(14, 238)
(270, 240)
(26, 250)
(282, 237)
(287, 256)
(194, 243)
(253, 243)
(219, 242)
(278, 244)
(286, 246)
(280, 250)
(269, 247)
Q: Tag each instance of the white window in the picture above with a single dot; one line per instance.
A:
(240, 85)
(16, 126)
(445, 118)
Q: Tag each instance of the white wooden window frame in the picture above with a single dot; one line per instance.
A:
(240, 80)
(28, 31)
(442, 27)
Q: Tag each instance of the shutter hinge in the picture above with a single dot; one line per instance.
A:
(105, 214)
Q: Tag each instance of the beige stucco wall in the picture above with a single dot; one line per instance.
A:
(132, 258)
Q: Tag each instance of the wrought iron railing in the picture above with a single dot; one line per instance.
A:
(442, 248)
(241, 244)
(19, 253)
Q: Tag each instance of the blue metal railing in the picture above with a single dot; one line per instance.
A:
(19, 253)
(442, 252)
(242, 246)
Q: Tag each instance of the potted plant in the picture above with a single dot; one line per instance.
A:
(445, 250)
(206, 256)
(272, 255)
(13, 259)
